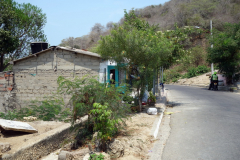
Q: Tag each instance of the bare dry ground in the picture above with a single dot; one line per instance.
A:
(19, 140)
(136, 141)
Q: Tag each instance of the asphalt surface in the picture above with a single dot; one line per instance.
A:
(205, 125)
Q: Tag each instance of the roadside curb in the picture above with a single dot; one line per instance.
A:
(162, 103)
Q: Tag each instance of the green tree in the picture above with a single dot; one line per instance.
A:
(8, 18)
(142, 47)
(138, 44)
(225, 53)
(20, 24)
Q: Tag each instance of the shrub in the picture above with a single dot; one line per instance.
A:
(151, 98)
(47, 109)
(202, 69)
(85, 92)
(104, 123)
(50, 109)
(192, 72)
(96, 157)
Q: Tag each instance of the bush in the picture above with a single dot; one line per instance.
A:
(192, 72)
(47, 110)
(151, 98)
(87, 91)
(172, 75)
(50, 109)
(104, 123)
(202, 69)
(96, 157)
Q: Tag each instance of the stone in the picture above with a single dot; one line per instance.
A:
(79, 154)
(62, 155)
(116, 149)
(4, 147)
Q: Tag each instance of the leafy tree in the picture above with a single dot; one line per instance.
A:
(8, 39)
(138, 44)
(20, 24)
(226, 49)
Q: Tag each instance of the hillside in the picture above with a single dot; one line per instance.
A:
(182, 12)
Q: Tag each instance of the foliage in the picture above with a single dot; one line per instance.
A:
(85, 92)
(192, 72)
(47, 109)
(184, 13)
(172, 75)
(8, 40)
(96, 157)
(138, 44)
(151, 98)
(20, 24)
(225, 53)
(50, 109)
(104, 123)
(9, 115)
(128, 99)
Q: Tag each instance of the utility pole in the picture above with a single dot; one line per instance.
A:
(212, 68)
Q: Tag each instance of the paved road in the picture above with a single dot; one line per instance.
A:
(205, 125)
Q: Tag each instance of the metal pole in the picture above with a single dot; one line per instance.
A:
(154, 82)
(212, 68)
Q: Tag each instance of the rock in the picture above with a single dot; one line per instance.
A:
(86, 157)
(116, 149)
(97, 142)
(62, 155)
(79, 154)
(4, 147)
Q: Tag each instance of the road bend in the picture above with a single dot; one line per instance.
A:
(205, 125)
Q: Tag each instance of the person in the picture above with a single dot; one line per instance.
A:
(215, 79)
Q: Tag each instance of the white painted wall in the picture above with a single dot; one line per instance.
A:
(103, 65)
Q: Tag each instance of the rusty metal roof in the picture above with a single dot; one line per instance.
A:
(79, 51)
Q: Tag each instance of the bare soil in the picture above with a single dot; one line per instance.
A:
(136, 139)
(19, 140)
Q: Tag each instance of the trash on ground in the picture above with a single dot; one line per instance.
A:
(152, 111)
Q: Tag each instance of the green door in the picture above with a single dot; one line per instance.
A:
(112, 73)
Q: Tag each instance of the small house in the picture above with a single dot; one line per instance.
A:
(35, 76)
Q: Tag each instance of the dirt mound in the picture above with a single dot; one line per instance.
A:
(201, 80)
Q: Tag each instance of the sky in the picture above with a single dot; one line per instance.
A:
(75, 18)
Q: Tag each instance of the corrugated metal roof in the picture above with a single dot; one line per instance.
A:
(81, 51)
(58, 47)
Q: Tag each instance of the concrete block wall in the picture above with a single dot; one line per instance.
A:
(6, 86)
(36, 77)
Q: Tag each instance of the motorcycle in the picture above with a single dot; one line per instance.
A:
(215, 86)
